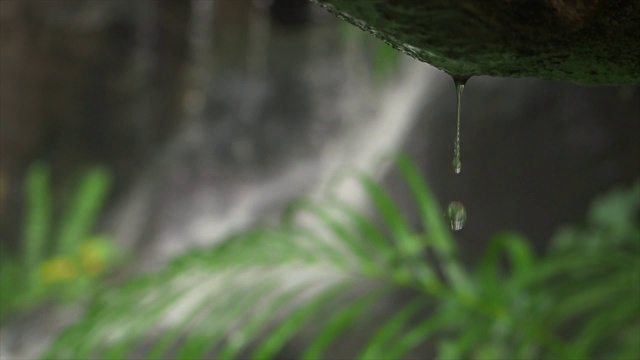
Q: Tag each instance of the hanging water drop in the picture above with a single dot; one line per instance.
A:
(459, 82)
(457, 215)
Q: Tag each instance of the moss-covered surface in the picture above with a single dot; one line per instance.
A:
(584, 41)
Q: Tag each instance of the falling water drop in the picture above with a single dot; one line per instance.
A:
(457, 215)
(459, 82)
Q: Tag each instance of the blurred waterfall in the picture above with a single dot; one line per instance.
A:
(270, 114)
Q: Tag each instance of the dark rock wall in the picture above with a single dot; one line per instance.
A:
(85, 83)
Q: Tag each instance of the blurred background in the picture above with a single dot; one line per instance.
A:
(140, 129)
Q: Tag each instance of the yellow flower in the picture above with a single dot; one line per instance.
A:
(58, 269)
(93, 257)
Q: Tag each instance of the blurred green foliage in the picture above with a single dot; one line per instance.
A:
(328, 267)
(60, 257)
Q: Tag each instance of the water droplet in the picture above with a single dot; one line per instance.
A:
(459, 81)
(457, 215)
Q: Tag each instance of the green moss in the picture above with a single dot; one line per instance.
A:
(596, 44)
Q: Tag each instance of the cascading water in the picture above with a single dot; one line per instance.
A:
(271, 125)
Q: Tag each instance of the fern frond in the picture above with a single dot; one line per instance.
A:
(323, 272)
(265, 284)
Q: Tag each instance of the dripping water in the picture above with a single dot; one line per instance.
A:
(457, 215)
(459, 82)
(456, 212)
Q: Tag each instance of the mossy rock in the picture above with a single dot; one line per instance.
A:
(584, 41)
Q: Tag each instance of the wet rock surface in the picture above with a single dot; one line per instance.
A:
(587, 42)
